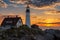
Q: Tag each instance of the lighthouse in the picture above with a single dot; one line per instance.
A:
(28, 16)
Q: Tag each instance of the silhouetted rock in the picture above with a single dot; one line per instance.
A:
(35, 26)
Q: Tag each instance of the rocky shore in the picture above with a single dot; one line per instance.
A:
(33, 33)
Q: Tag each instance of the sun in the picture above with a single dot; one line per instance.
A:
(49, 22)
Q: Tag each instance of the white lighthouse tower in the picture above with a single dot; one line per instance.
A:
(28, 16)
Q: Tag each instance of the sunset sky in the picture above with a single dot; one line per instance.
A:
(46, 11)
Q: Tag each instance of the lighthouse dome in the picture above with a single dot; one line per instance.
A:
(27, 9)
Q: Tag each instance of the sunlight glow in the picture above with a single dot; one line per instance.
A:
(49, 20)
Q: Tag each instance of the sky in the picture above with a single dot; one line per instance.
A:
(45, 11)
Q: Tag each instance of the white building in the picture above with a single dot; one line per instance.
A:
(12, 22)
(28, 16)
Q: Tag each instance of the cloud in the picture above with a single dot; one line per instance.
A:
(38, 4)
(3, 4)
(41, 3)
(52, 12)
(19, 1)
(44, 4)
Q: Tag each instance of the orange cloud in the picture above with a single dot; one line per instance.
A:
(49, 23)
(52, 12)
(19, 1)
(3, 4)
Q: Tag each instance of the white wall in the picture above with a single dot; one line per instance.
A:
(19, 23)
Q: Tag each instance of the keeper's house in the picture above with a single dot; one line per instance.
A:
(12, 22)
